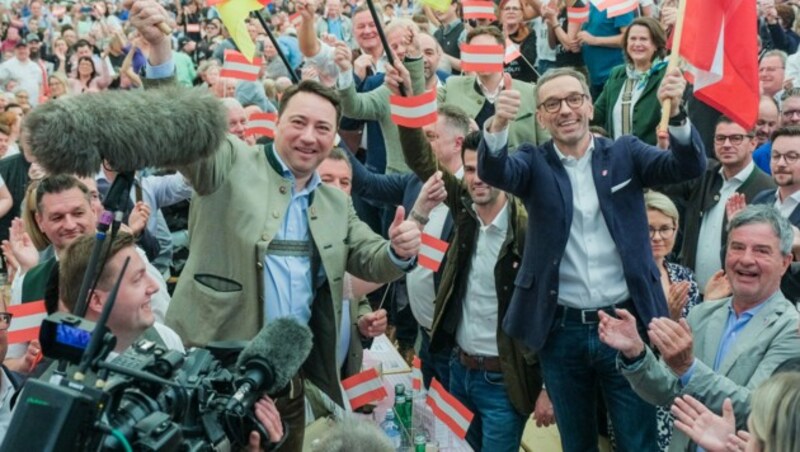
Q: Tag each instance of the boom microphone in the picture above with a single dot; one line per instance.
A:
(166, 127)
(270, 361)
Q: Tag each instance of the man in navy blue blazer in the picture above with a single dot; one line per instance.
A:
(587, 246)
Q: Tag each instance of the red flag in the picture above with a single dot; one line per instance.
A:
(431, 252)
(296, 19)
(416, 374)
(482, 58)
(26, 322)
(512, 51)
(578, 13)
(414, 111)
(364, 387)
(449, 410)
(192, 28)
(237, 66)
(262, 124)
(478, 9)
(720, 47)
(616, 8)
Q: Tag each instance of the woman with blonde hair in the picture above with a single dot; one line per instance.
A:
(59, 85)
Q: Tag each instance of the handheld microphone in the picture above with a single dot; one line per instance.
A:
(166, 127)
(270, 361)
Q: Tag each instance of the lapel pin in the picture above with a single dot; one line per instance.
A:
(604, 173)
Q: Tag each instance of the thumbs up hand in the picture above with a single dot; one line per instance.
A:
(404, 235)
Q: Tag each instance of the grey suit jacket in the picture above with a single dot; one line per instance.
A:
(769, 339)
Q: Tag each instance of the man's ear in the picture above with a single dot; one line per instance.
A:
(96, 302)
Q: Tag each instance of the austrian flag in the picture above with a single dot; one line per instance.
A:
(416, 374)
(26, 321)
(261, 124)
(414, 111)
(578, 13)
(236, 66)
(478, 9)
(431, 252)
(364, 387)
(482, 58)
(449, 410)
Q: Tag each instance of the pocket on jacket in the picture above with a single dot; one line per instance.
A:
(620, 186)
(217, 283)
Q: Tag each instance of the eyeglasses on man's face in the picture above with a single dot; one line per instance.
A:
(5, 320)
(790, 157)
(736, 139)
(553, 105)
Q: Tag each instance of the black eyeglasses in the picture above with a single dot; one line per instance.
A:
(735, 139)
(553, 105)
(790, 157)
(665, 232)
(5, 320)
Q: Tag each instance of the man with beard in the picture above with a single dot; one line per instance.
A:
(768, 120)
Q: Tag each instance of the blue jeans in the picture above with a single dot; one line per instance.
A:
(433, 364)
(544, 65)
(574, 363)
(497, 426)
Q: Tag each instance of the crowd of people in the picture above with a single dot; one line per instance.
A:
(602, 274)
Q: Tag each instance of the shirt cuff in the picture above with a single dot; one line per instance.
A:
(684, 379)
(326, 53)
(344, 80)
(402, 264)
(164, 70)
(496, 141)
(682, 134)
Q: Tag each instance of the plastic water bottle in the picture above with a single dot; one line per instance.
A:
(392, 430)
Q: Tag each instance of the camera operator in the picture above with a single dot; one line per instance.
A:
(132, 318)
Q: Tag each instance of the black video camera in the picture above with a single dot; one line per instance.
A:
(147, 399)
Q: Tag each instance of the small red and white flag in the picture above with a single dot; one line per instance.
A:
(431, 252)
(578, 13)
(416, 374)
(210, 3)
(414, 111)
(478, 9)
(364, 387)
(616, 8)
(26, 322)
(296, 19)
(449, 410)
(237, 66)
(192, 28)
(512, 51)
(262, 124)
(482, 58)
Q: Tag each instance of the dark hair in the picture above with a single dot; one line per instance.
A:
(471, 142)
(487, 30)
(94, 70)
(76, 260)
(83, 43)
(657, 35)
(59, 184)
(786, 131)
(786, 13)
(12, 105)
(726, 120)
(312, 87)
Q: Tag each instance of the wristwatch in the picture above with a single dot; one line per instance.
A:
(636, 358)
(419, 218)
(679, 119)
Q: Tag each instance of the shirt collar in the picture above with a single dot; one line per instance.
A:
(452, 24)
(500, 221)
(742, 175)
(748, 314)
(566, 158)
(460, 173)
(490, 96)
(313, 183)
(794, 196)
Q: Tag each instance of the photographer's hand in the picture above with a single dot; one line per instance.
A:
(267, 414)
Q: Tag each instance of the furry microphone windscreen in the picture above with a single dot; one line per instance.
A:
(284, 344)
(166, 128)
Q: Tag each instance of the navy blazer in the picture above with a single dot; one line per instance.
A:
(769, 197)
(622, 169)
(394, 190)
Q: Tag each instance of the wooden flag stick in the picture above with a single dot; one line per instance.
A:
(674, 58)
(386, 49)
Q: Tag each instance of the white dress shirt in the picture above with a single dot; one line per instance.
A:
(787, 206)
(477, 331)
(709, 240)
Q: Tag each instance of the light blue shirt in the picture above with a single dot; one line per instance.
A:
(335, 28)
(733, 326)
(288, 287)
